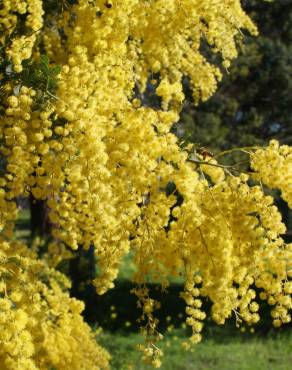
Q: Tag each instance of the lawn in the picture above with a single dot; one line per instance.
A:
(273, 352)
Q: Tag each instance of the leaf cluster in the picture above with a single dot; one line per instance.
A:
(38, 75)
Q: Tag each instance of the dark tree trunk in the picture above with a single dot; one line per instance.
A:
(82, 272)
(39, 219)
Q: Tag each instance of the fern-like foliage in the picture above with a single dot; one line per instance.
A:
(38, 75)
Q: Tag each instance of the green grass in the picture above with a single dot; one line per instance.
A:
(23, 225)
(232, 353)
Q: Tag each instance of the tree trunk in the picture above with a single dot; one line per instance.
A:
(39, 219)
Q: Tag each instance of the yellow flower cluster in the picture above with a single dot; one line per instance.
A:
(195, 315)
(102, 160)
(273, 166)
(187, 21)
(232, 243)
(21, 47)
(43, 325)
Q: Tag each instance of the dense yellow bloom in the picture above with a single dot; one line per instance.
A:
(21, 47)
(43, 325)
(273, 166)
(102, 160)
